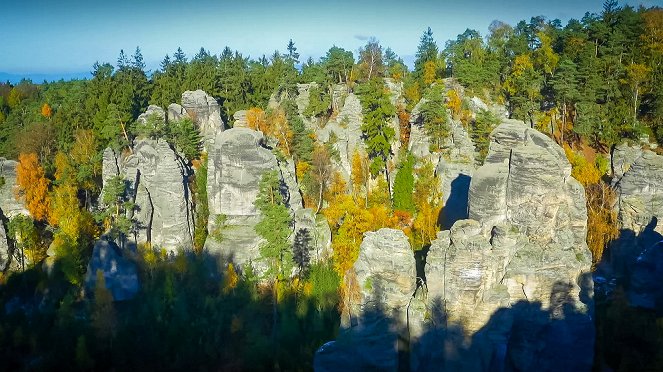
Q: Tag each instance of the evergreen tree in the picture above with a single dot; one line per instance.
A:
(378, 134)
(404, 185)
(275, 227)
(426, 52)
(435, 118)
(302, 249)
(293, 56)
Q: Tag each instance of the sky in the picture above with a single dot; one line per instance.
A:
(66, 37)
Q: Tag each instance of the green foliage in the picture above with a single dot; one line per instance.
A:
(115, 204)
(404, 184)
(480, 130)
(427, 51)
(337, 63)
(319, 103)
(435, 118)
(27, 241)
(301, 249)
(325, 282)
(202, 207)
(184, 136)
(378, 112)
(275, 227)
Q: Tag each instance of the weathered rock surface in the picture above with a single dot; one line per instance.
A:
(236, 162)
(240, 119)
(7, 262)
(120, 273)
(634, 258)
(526, 182)
(204, 111)
(385, 278)
(319, 233)
(152, 111)
(158, 184)
(514, 275)
(640, 192)
(8, 202)
(176, 112)
(346, 127)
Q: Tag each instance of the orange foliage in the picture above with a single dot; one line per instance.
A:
(277, 127)
(256, 120)
(46, 111)
(32, 186)
(404, 125)
(601, 219)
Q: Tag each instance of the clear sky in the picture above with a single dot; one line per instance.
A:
(66, 36)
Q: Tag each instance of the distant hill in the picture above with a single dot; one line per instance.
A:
(39, 78)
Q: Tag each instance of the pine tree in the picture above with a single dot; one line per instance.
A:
(378, 134)
(426, 52)
(404, 185)
(275, 227)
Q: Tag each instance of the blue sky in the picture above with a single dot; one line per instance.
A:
(68, 36)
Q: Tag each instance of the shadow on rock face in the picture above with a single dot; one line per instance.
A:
(455, 208)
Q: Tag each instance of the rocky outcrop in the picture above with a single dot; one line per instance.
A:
(632, 260)
(7, 260)
(240, 119)
(346, 128)
(152, 111)
(8, 202)
(120, 273)
(157, 179)
(385, 273)
(526, 183)
(514, 275)
(318, 231)
(640, 192)
(204, 111)
(236, 162)
(176, 112)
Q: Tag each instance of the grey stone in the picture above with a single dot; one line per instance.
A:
(639, 207)
(152, 111)
(176, 112)
(7, 261)
(236, 163)
(240, 119)
(526, 182)
(204, 111)
(10, 205)
(158, 184)
(319, 232)
(511, 275)
(385, 272)
(120, 273)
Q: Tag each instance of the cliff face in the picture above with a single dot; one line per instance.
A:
(524, 244)
(508, 287)
(635, 257)
(157, 179)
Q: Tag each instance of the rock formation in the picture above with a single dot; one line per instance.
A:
(157, 179)
(346, 127)
(522, 255)
(634, 258)
(236, 162)
(385, 281)
(8, 202)
(6, 246)
(204, 111)
(120, 273)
